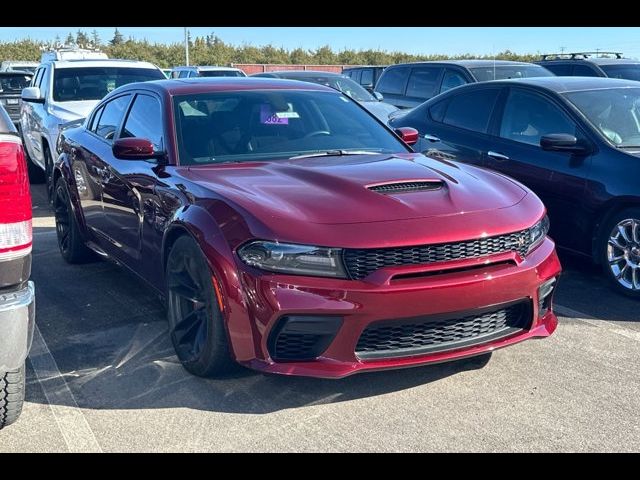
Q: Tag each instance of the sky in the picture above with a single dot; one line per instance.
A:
(413, 40)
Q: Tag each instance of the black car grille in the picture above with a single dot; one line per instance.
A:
(405, 187)
(362, 262)
(398, 338)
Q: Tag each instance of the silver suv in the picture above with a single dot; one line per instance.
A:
(66, 90)
(206, 71)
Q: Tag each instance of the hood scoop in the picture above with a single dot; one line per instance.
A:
(406, 186)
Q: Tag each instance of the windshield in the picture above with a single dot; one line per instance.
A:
(220, 73)
(93, 83)
(14, 82)
(502, 72)
(615, 112)
(261, 125)
(342, 84)
(629, 72)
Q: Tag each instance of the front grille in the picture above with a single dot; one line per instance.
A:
(362, 262)
(405, 187)
(399, 338)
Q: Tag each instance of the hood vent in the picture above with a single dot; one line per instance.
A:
(407, 186)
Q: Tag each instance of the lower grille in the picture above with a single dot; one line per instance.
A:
(302, 337)
(434, 333)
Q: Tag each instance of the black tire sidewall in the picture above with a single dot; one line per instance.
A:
(11, 402)
(215, 358)
(633, 212)
(78, 252)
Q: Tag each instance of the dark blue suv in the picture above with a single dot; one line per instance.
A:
(575, 141)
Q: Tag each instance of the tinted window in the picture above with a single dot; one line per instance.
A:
(561, 70)
(423, 82)
(437, 111)
(183, 74)
(528, 116)
(94, 120)
(45, 82)
(220, 73)
(584, 71)
(393, 81)
(501, 72)
(93, 83)
(145, 121)
(451, 80)
(36, 78)
(472, 110)
(630, 72)
(243, 126)
(111, 117)
(14, 82)
(367, 77)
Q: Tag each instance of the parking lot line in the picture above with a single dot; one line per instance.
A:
(610, 326)
(71, 422)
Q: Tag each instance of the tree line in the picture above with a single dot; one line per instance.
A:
(211, 50)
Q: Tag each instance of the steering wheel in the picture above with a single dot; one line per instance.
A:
(317, 133)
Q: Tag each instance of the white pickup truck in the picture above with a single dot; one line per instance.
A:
(65, 90)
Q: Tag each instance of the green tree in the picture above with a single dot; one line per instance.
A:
(82, 39)
(95, 38)
(70, 40)
(117, 39)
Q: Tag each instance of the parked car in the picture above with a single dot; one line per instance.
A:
(574, 141)
(407, 85)
(206, 71)
(585, 64)
(18, 65)
(11, 85)
(294, 233)
(65, 90)
(17, 293)
(167, 72)
(367, 76)
(342, 83)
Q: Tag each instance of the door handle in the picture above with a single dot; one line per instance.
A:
(431, 138)
(497, 156)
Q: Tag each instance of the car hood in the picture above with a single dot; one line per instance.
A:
(69, 111)
(381, 110)
(334, 190)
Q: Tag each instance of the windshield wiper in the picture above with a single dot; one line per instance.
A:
(335, 153)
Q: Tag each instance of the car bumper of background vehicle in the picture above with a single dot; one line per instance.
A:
(17, 321)
(343, 309)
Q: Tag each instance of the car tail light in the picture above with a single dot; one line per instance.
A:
(15, 199)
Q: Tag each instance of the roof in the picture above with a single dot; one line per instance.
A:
(102, 63)
(184, 86)
(9, 73)
(208, 67)
(467, 63)
(364, 66)
(569, 84)
(613, 61)
(304, 73)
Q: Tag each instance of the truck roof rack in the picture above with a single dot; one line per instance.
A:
(579, 55)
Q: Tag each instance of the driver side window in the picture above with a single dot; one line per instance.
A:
(528, 116)
(112, 117)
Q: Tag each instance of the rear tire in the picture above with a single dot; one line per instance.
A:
(11, 396)
(70, 240)
(48, 174)
(619, 251)
(196, 324)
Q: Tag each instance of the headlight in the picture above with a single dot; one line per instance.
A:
(538, 233)
(295, 259)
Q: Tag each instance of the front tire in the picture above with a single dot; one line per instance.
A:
(619, 251)
(195, 319)
(11, 396)
(70, 241)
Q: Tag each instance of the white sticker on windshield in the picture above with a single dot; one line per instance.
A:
(287, 115)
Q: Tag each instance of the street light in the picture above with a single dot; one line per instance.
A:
(186, 46)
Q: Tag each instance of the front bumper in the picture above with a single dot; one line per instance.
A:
(17, 321)
(492, 281)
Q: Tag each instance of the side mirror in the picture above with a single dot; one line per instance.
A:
(378, 95)
(134, 149)
(408, 135)
(32, 94)
(562, 142)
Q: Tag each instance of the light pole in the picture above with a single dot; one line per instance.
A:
(186, 46)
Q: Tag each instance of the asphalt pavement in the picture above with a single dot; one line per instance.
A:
(102, 376)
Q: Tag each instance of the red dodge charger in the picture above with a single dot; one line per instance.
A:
(292, 232)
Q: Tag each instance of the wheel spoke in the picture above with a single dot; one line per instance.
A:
(615, 260)
(635, 230)
(616, 243)
(189, 328)
(623, 233)
(635, 278)
(620, 274)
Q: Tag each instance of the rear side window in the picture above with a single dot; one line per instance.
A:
(451, 80)
(145, 121)
(560, 70)
(111, 117)
(393, 81)
(183, 74)
(472, 110)
(367, 77)
(584, 71)
(423, 82)
(437, 111)
(94, 121)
